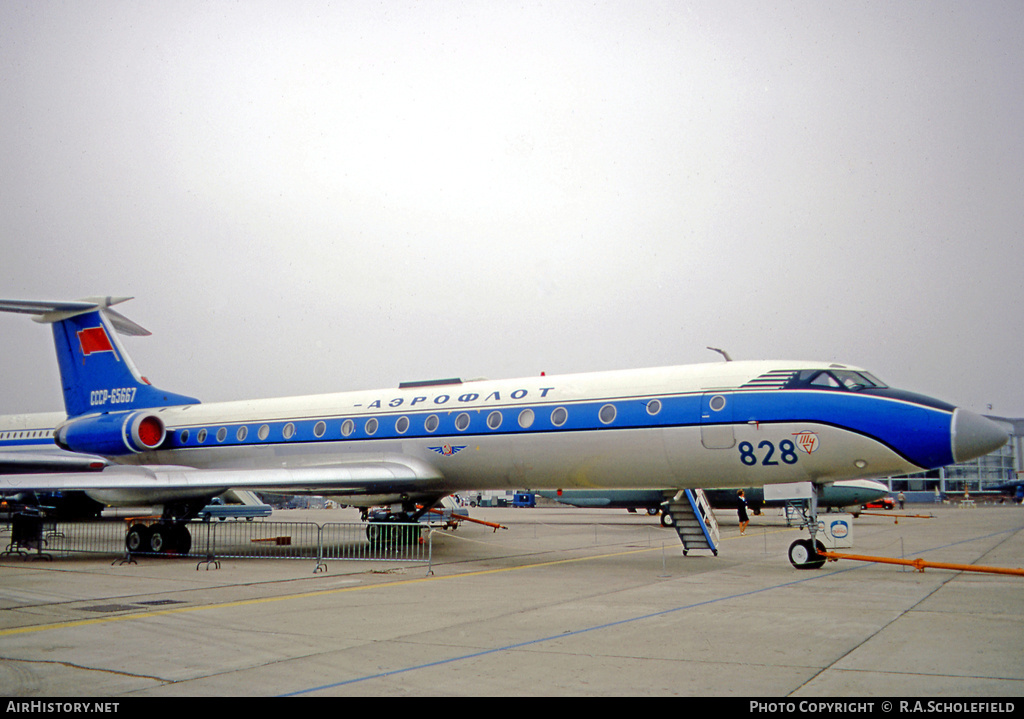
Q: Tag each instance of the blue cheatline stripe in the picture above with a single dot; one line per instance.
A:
(881, 419)
(34, 442)
(609, 625)
(631, 413)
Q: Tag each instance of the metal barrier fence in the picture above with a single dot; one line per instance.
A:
(212, 541)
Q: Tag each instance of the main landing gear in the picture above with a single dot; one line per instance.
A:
(167, 536)
(159, 538)
(388, 533)
(805, 553)
(395, 526)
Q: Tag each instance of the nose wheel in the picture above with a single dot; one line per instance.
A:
(804, 554)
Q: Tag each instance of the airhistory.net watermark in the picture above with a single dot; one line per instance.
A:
(58, 707)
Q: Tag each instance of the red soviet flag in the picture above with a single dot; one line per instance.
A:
(94, 339)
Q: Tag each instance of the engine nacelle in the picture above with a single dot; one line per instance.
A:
(112, 434)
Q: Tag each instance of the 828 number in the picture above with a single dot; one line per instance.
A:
(787, 453)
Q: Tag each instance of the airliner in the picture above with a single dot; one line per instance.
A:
(723, 424)
(850, 493)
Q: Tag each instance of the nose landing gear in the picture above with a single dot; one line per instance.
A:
(805, 553)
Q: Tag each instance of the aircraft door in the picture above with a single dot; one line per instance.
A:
(716, 428)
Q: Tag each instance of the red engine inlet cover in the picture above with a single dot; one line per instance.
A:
(149, 431)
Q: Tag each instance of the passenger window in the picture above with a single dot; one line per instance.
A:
(607, 414)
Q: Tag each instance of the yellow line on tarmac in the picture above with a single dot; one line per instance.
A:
(302, 595)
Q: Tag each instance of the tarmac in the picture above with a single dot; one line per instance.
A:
(564, 602)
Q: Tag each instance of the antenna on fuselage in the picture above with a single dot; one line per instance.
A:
(721, 352)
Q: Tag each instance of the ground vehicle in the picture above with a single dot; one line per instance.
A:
(883, 503)
(524, 499)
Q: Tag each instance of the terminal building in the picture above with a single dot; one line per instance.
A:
(992, 474)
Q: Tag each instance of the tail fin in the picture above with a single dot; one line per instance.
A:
(96, 373)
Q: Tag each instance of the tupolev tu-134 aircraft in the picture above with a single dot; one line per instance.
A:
(724, 424)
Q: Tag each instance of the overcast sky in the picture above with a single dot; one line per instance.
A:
(317, 196)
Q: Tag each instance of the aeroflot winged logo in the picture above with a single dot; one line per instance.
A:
(448, 450)
(95, 339)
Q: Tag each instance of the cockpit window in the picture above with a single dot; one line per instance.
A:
(875, 382)
(856, 381)
(825, 379)
(834, 379)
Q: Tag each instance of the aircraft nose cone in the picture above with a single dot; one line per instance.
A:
(974, 435)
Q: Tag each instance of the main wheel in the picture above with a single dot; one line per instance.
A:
(667, 520)
(180, 539)
(383, 534)
(159, 538)
(373, 532)
(395, 531)
(137, 539)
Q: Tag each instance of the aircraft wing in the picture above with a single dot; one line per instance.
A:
(47, 462)
(382, 477)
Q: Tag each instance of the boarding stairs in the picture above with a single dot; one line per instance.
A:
(694, 521)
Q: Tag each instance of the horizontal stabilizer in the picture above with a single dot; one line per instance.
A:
(49, 311)
(42, 307)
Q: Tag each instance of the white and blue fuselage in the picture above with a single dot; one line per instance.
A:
(692, 426)
(725, 424)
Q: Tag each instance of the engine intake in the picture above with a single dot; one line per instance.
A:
(112, 434)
